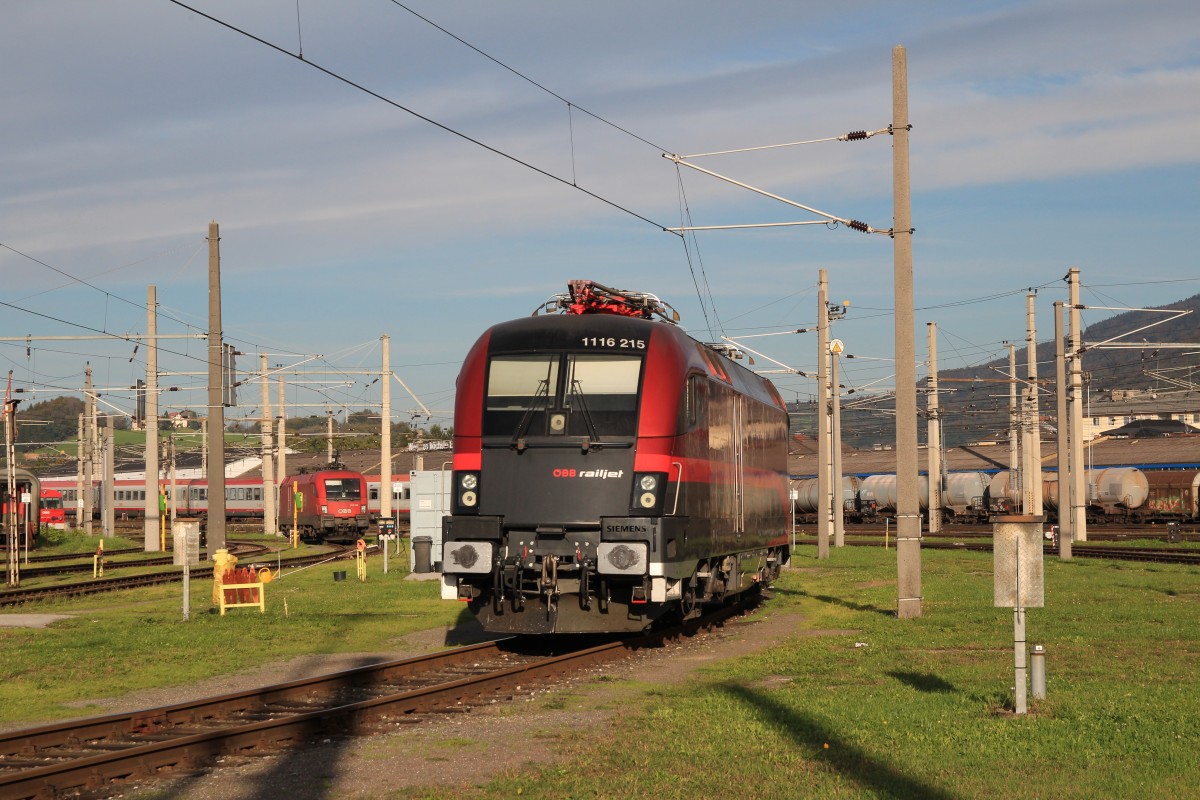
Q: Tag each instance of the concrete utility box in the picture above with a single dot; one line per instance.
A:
(1017, 562)
(430, 498)
(186, 536)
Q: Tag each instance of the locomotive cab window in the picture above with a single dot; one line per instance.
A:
(343, 489)
(572, 394)
(602, 391)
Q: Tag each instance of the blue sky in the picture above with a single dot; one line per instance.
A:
(1046, 135)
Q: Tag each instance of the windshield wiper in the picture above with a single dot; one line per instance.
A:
(542, 393)
(593, 436)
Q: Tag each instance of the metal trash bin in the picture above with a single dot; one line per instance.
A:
(422, 549)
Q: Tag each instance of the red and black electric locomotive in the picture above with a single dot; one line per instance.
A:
(610, 471)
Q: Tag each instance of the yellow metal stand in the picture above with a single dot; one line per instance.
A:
(256, 590)
(98, 561)
(361, 558)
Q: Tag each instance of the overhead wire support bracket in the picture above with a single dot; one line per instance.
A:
(790, 370)
(852, 136)
(829, 218)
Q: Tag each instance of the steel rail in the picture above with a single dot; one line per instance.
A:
(13, 597)
(140, 745)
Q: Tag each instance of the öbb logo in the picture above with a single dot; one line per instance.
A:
(602, 474)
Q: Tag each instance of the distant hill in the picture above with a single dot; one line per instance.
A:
(974, 400)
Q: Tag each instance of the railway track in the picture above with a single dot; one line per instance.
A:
(242, 550)
(93, 757)
(13, 597)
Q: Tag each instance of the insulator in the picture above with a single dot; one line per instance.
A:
(854, 224)
(854, 136)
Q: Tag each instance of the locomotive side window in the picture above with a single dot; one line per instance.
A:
(696, 399)
(343, 489)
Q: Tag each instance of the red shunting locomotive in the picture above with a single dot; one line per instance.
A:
(610, 471)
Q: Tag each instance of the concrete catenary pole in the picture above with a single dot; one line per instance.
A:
(908, 510)
(1016, 482)
(173, 506)
(97, 454)
(266, 425)
(1079, 494)
(933, 435)
(329, 435)
(12, 501)
(110, 493)
(89, 445)
(281, 441)
(825, 467)
(385, 439)
(1062, 456)
(79, 457)
(215, 459)
(151, 533)
(1033, 413)
(835, 436)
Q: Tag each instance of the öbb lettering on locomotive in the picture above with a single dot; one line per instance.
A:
(609, 471)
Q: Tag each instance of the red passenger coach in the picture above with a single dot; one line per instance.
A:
(332, 504)
(610, 471)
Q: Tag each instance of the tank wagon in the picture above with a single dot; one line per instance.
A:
(1115, 494)
(963, 498)
(609, 471)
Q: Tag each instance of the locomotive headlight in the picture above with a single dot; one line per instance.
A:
(647, 492)
(324, 509)
(466, 496)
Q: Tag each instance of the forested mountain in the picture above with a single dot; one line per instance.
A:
(974, 400)
(55, 420)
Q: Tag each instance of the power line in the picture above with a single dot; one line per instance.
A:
(422, 117)
(552, 93)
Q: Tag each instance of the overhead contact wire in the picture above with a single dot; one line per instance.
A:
(422, 117)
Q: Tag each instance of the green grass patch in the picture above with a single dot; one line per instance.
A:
(121, 643)
(918, 708)
(53, 542)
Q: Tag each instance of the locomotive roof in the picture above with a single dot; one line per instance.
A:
(565, 331)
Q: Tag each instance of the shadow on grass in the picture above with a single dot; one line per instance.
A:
(310, 769)
(923, 682)
(880, 779)
(838, 601)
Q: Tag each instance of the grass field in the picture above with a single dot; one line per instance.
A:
(893, 709)
(921, 708)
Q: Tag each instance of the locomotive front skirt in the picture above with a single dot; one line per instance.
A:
(610, 471)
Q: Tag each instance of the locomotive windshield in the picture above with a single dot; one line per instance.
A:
(574, 394)
(343, 489)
